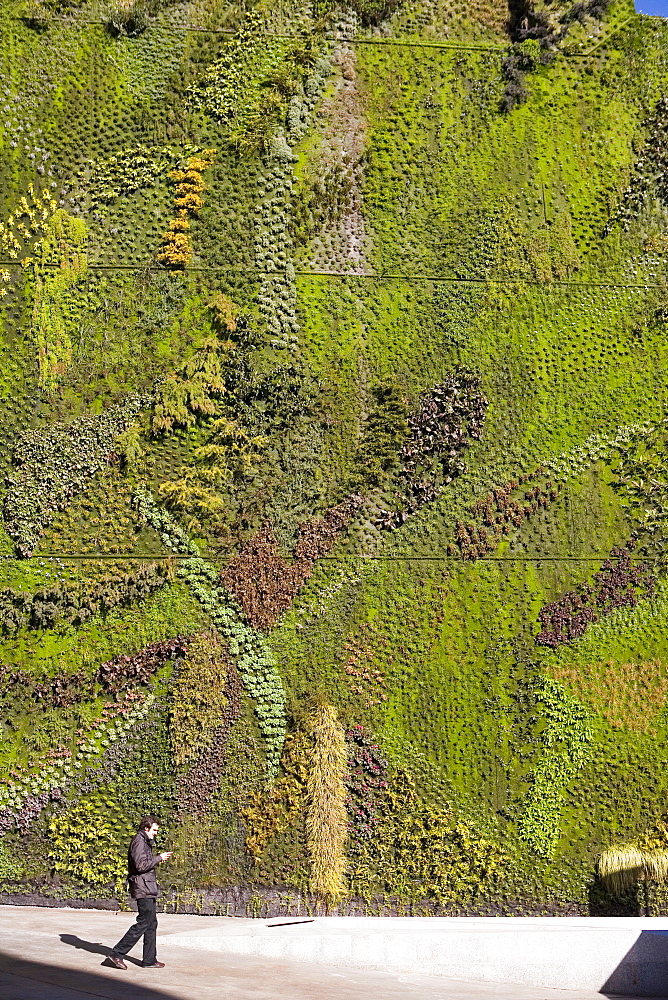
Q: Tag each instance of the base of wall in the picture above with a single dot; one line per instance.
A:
(263, 902)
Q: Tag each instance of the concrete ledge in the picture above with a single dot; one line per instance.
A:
(611, 954)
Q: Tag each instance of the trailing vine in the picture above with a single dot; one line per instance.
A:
(254, 660)
(566, 744)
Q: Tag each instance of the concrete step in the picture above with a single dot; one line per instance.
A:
(614, 955)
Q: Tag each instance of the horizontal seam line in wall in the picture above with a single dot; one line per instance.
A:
(409, 43)
(417, 43)
(366, 277)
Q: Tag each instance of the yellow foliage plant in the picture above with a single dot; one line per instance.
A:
(176, 250)
(88, 843)
(326, 816)
(623, 866)
(271, 811)
(63, 244)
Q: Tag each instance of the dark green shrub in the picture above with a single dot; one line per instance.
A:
(369, 11)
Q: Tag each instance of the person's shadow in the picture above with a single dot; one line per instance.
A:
(94, 949)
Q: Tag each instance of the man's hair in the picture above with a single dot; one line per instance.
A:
(146, 823)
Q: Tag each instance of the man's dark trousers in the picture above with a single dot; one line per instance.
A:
(146, 924)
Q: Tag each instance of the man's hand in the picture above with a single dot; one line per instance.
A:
(166, 855)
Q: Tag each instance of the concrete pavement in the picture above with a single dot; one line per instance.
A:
(59, 954)
(616, 954)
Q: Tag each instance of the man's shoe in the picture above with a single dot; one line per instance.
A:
(117, 961)
(154, 965)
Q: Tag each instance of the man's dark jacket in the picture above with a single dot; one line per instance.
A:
(141, 867)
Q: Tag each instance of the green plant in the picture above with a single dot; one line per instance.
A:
(388, 236)
(264, 583)
(229, 454)
(627, 695)
(38, 207)
(208, 766)
(191, 392)
(439, 429)
(271, 811)
(63, 245)
(23, 797)
(566, 745)
(128, 17)
(649, 170)
(128, 446)
(131, 170)
(423, 851)
(11, 868)
(370, 12)
(198, 700)
(76, 604)
(384, 432)
(247, 87)
(39, 14)
(58, 463)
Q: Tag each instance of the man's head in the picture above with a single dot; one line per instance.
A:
(149, 825)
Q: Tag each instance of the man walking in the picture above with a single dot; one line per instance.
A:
(142, 863)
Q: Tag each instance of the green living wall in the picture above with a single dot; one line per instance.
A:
(333, 357)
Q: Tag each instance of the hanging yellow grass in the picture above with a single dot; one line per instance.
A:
(656, 865)
(621, 867)
(624, 866)
(326, 816)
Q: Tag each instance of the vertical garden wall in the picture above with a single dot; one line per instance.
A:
(333, 357)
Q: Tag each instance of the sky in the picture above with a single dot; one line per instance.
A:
(658, 7)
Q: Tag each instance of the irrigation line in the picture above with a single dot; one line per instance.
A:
(611, 34)
(152, 266)
(478, 281)
(402, 42)
(359, 40)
